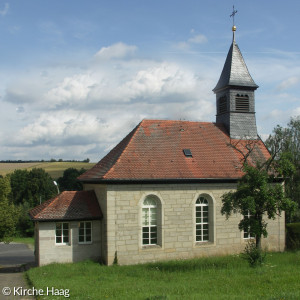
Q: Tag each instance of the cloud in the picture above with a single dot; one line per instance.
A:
(195, 39)
(20, 109)
(116, 51)
(71, 90)
(60, 128)
(5, 10)
(89, 110)
(292, 81)
(198, 39)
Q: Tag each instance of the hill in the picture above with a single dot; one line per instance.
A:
(55, 169)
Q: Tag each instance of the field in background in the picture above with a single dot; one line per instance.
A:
(55, 169)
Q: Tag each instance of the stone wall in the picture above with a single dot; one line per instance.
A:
(49, 252)
(122, 219)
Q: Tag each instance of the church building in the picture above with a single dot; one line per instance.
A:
(157, 194)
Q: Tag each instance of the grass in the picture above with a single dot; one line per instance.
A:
(24, 240)
(207, 278)
(55, 169)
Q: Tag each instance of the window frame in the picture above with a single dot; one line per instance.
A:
(151, 228)
(248, 235)
(85, 232)
(201, 205)
(62, 236)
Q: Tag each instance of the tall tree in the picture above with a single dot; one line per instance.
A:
(8, 212)
(258, 197)
(28, 189)
(31, 187)
(284, 145)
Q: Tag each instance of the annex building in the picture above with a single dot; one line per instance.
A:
(157, 194)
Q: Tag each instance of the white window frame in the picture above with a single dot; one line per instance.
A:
(201, 203)
(247, 235)
(149, 223)
(85, 232)
(62, 236)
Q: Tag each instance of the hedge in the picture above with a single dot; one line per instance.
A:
(293, 236)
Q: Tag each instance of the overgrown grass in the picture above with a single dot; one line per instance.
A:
(55, 169)
(207, 278)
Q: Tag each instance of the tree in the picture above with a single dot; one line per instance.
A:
(31, 187)
(8, 212)
(28, 189)
(257, 196)
(284, 146)
(69, 181)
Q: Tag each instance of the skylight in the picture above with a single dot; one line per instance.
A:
(187, 152)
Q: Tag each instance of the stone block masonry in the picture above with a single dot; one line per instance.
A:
(122, 223)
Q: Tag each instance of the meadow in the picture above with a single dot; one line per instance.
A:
(55, 169)
(227, 277)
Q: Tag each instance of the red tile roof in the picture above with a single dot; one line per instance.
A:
(69, 205)
(154, 150)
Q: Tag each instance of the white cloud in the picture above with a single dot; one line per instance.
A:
(198, 39)
(195, 39)
(71, 90)
(116, 51)
(92, 109)
(287, 83)
(4, 11)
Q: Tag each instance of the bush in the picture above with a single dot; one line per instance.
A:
(293, 236)
(255, 256)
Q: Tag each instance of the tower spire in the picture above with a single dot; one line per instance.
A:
(234, 11)
(235, 95)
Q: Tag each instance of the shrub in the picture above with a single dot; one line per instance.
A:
(293, 236)
(255, 256)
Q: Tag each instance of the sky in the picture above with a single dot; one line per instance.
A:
(77, 76)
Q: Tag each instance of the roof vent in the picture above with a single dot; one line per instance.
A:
(187, 152)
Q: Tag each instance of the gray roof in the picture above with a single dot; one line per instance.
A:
(235, 71)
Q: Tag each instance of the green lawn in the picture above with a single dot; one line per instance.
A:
(207, 278)
(24, 240)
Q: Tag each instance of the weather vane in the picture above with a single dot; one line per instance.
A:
(234, 11)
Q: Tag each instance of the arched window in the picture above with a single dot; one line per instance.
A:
(149, 221)
(202, 219)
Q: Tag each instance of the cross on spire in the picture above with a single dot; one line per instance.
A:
(234, 11)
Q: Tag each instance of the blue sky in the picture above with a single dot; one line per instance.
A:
(77, 76)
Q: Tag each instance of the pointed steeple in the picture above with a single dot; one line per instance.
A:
(235, 96)
(235, 71)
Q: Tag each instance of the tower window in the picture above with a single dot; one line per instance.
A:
(242, 103)
(222, 105)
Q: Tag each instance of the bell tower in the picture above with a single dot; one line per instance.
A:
(235, 99)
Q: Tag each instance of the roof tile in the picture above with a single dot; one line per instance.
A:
(69, 205)
(154, 150)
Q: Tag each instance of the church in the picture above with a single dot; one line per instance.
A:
(157, 194)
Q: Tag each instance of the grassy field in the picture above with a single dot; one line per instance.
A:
(24, 240)
(55, 169)
(207, 278)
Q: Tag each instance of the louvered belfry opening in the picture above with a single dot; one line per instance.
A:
(242, 103)
(222, 108)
